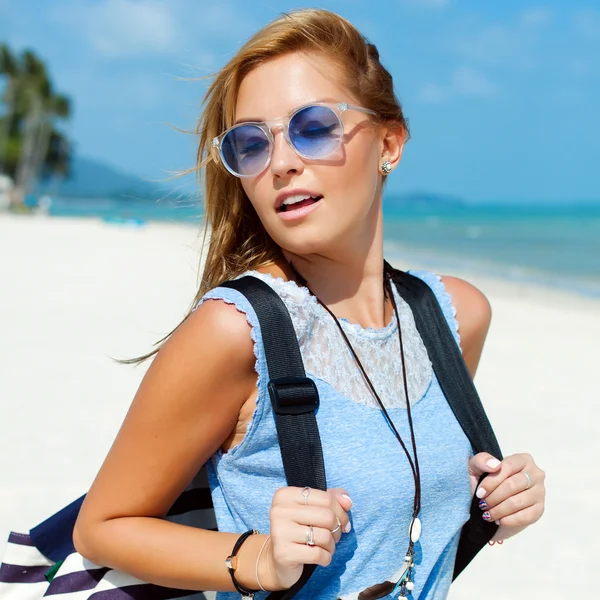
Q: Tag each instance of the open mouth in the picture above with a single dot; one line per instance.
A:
(297, 202)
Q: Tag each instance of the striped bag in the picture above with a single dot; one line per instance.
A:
(44, 562)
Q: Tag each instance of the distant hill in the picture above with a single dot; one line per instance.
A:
(93, 179)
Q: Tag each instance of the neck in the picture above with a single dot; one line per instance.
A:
(350, 280)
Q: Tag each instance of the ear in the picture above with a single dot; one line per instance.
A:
(393, 139)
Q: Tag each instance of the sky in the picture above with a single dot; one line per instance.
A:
(503, 98)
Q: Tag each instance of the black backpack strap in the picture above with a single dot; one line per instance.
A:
(459, 390)
(294, 398)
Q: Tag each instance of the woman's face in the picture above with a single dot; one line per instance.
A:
(346, 183)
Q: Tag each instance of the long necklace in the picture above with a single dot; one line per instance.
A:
(403, 578)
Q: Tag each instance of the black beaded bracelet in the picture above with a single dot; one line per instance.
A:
(231, 564)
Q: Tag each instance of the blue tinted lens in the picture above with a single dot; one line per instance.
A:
(315, 131)
(245, 150)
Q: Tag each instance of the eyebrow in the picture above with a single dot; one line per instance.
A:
(249, 120)
(327, 100)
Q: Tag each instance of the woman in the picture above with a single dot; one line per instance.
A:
(300, 130)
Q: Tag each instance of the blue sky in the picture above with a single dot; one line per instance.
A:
(503, 97)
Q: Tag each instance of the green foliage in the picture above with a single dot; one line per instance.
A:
(31, 113)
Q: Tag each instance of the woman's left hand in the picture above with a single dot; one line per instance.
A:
(512, 495)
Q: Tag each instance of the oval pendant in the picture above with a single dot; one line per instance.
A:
(415, 530)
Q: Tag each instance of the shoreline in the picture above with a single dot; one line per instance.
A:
(403, 255)
(457, 265)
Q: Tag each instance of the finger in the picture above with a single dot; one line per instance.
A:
(340, 529)
(302, 496)
(508, 467)
(511, 505)
(285, 508)
(524, 517)
(323, 518)
(317, 516)
(341, 497)
(517, 483)
(311, 555)
(340, 510)
(320, 536)
(483, 462)
(341, 503)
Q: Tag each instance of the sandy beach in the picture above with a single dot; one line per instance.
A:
(75, 293)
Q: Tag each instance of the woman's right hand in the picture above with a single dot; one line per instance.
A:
(291, 516)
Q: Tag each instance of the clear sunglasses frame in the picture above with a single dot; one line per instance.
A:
(338, 108)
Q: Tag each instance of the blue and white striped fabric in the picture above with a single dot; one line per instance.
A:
(26, 573)
(22, 572)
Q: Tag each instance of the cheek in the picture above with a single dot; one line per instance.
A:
(359, 175)
(257, 192)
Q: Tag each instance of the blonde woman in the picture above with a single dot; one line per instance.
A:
(299, 132)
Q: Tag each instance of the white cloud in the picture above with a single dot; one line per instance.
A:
(536, 17)
(124, 28)
(433, 93)
(185, 29)
(469, 82)
(463, 81)
(516, 45)
(580, 67)
(587, 24)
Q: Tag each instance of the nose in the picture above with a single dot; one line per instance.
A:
(284, 160)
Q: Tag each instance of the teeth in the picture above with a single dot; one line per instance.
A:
(296, 199)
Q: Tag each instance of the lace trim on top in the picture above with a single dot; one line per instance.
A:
(326, 355)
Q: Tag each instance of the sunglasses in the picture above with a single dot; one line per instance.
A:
(313, 131)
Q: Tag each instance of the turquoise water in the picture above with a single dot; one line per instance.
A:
(553, 245)
(557, 246)
(130, 211)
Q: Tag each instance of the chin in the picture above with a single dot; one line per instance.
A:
(303, 244)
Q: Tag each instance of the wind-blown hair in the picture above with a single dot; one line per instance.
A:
(237, 239)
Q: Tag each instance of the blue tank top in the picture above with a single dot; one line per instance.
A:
(360, 450)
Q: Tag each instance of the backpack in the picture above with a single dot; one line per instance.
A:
(45, 563)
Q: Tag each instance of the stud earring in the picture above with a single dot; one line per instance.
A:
(386, 167)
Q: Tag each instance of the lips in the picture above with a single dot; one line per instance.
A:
(298, 204)
(296, 199)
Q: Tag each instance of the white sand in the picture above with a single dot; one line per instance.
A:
(74, 293)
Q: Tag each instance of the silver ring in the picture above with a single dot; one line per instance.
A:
(338, 527)
(310, 536)
(528, 479)
(306, 494)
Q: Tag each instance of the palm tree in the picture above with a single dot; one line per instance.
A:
(8, 69)
(31, 145)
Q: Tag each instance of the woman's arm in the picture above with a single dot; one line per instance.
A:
(187, 405)
(473, 314)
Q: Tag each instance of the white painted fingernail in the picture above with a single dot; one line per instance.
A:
(347, 498)
(492, 463)
(347, 527)
(497, 522)
(480, 493)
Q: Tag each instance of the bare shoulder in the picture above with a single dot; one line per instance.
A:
(216, 333)
(473, 309)
(220, 319)
(474, 315)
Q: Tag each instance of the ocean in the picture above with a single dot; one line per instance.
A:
(557, 246)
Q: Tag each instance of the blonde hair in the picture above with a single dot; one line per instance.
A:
(238, 241)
